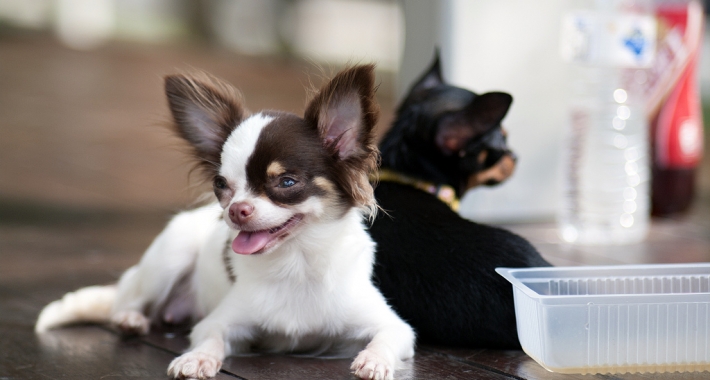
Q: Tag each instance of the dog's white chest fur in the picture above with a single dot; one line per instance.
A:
(300, 297)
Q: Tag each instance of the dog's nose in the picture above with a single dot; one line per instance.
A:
(240, 212)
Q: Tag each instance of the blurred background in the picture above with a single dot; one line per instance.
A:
(82, 112)
(83, 143)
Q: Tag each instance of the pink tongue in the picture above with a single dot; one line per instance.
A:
(247, 243)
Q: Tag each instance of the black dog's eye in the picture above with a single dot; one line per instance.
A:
(220, 183)
(286, 182)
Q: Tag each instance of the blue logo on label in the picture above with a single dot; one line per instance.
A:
(635, 42)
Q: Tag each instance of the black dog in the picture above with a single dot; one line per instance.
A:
(435, 268)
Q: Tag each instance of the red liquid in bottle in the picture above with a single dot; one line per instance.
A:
(676, 126)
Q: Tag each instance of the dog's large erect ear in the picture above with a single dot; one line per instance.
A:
(431, 78)
(489, 109)
(345, 113)
(485, 112)
(205, 111)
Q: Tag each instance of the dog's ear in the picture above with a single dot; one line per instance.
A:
(489, 109)
(485, 112)
(345, 113)
(205, 111)
(431, 78)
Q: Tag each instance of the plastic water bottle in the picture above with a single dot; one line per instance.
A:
(606, 160)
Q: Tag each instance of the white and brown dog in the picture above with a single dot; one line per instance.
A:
(283, 263)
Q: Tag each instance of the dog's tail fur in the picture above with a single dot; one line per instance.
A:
(90, 304)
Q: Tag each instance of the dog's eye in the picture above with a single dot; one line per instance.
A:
(220, 183)
(286, 182)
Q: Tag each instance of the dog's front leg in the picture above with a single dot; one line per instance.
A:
(214, 338)
(202, 361)
(223, 332)
(392, 341)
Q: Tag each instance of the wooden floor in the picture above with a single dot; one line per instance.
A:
(88, 177)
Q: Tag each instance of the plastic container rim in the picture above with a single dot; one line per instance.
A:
(510, 274)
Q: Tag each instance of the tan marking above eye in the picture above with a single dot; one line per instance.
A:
(482, 157)
(275, 169)
(324, 184)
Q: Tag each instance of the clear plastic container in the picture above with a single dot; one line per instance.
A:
(614, 319)
(605, 193)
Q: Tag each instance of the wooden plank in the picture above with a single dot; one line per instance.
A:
(267, 367)
(425, 365)
(432, 365)
(518, 364)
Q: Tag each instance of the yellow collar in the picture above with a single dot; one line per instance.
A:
(445, 193)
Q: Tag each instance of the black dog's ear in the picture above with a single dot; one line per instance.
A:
(489, 109)
(431, 79)
(205, 111)
(485, 112)
(345, 113)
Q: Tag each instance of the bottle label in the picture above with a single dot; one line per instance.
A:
(672, 91)
(608, 39)
(679, 126)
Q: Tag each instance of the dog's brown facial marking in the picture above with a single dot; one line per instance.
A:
(287, 157)
(325, 184)
(494, 175)
(487, 160)
(275, 169)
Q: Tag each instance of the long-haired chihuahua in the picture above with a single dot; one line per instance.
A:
(282, 261)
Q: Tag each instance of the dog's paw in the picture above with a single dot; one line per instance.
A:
(194, 365)
(370, 365)
(131, 322)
